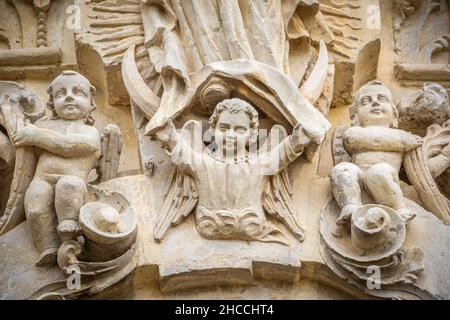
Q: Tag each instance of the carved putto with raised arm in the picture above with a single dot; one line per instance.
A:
(212, 180)
(224, 149)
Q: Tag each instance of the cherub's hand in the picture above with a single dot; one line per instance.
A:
(25, 135)
(412, 142)
(166, 132)
(299, 138)
(302, 137)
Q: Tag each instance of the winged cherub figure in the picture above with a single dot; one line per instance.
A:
(377, 149)
(231, 187)
(67, 147)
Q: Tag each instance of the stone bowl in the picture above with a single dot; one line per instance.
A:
(358, 243)
(370, 227)
(108, 232)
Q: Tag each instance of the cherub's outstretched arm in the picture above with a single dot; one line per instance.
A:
(289, 149)
(185, 147)
(68, 145)
(364, 139)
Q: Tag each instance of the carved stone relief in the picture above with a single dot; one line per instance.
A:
(421, 34)
(270, 157)
(35, 40)
(218, 172)
(68, 218)
(427, 112)
(17, 106)
(364, 226)
(109, 29)
(237, 78)
(353, 35)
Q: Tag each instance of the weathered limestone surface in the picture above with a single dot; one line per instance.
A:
(287, 149)
(189, 266)
(35, 41)
(20, 277)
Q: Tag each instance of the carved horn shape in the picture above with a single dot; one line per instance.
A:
(140, 93)
(313, 86)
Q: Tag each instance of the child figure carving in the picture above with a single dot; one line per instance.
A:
(68, 147)
(377, 150)
(228, 185)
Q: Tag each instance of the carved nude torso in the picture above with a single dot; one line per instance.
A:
(67, 151)
(52, 166)
(377, 155)
(234, 186)
(373, 145)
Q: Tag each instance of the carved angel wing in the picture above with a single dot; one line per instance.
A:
(419, 174)
(111, 148)
(180, 196)
(277, 196)
(437, 138)
(337, 147)
(18, 104)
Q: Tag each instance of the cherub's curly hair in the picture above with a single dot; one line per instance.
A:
(353, 110)
(236, 105)
(51, 105)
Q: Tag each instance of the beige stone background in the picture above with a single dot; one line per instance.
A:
(154, 278)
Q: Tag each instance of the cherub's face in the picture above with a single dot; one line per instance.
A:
(232, 130)
(375, 107)
(71, 97)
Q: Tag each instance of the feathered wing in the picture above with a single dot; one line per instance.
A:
(23, 174)
(111, 148)
(180, 196)
(420, 176)
(18, 104)
(338, 151)
(277, 196)
(437, 138)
